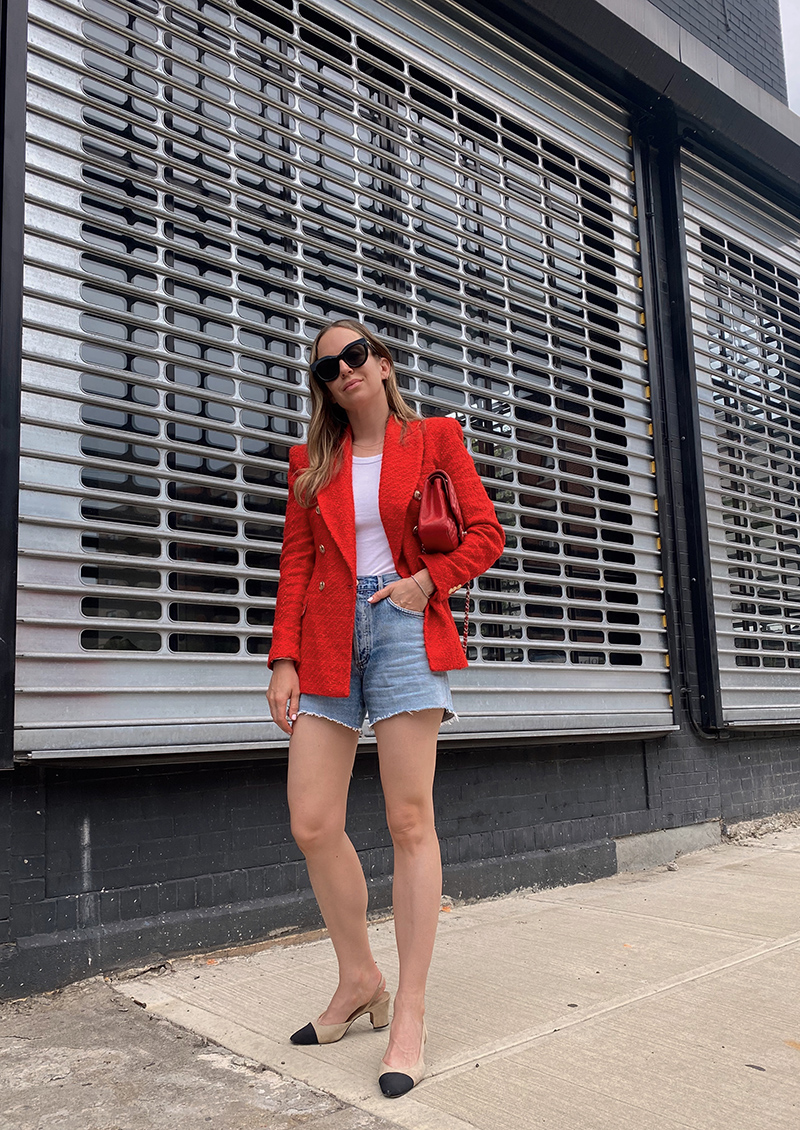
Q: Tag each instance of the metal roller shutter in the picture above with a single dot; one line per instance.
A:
(744, 279)
(206, 184)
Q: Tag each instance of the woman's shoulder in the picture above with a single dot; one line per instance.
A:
(298, 457)
(443, 429)
(444, 423)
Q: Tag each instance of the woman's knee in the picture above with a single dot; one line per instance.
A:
(410, 823)
(315, 831)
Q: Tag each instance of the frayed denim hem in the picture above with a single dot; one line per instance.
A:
(313, 714)
(450, 715)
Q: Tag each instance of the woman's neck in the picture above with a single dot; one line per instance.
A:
(369, 425)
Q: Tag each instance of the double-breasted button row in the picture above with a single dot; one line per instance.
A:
(322, 549)
(321, 586)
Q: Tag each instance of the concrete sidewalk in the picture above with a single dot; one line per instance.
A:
(665, 999)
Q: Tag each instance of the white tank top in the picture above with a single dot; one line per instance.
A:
(373, 555)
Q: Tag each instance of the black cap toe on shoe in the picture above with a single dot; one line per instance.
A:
(395, 1083)
(305, 1035)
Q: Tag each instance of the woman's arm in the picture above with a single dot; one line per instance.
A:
(297, 563)
(484, 538)
(283, 694)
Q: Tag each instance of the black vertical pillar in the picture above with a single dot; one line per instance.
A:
(700, 640)
(13, 42)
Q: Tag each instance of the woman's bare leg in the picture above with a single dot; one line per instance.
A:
(321, 755)
(407, 754)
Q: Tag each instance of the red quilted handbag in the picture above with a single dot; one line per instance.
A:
(441, 526)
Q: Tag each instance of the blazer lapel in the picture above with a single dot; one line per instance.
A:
(335, 502)
(400, 470)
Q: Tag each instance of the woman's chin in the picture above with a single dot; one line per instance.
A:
(359, 397)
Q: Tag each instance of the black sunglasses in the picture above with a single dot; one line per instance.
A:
(326, 369)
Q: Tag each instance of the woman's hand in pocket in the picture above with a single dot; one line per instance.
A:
(407, 592)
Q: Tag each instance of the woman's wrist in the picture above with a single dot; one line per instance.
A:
(425, 582)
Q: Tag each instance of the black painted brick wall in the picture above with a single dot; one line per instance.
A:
(746, 33)
(759, 777)
(5, 860)
(27, 860)
(194, 841)
(688, 774)
(183, 839)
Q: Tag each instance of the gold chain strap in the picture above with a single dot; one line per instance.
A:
(465, 635)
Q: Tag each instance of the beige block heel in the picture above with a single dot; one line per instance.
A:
(316, 1033)
(379, 1013)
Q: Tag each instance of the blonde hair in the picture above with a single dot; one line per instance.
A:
(329, 421)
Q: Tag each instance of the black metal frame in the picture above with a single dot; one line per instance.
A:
(13, 47)
(703, 689)
(676, 424)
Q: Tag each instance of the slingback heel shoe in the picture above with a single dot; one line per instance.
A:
(316, 1033)
(397, 1083)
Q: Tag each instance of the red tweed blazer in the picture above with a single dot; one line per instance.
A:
(315, 609)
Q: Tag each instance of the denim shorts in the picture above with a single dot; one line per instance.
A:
(389, 672)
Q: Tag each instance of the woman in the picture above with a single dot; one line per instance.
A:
(362, 622)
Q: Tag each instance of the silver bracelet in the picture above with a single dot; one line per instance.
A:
(419, 586)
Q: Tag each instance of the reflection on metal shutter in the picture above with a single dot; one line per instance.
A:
(207, 183)
(744, 276)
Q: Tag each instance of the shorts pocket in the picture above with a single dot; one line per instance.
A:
(406, 611)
